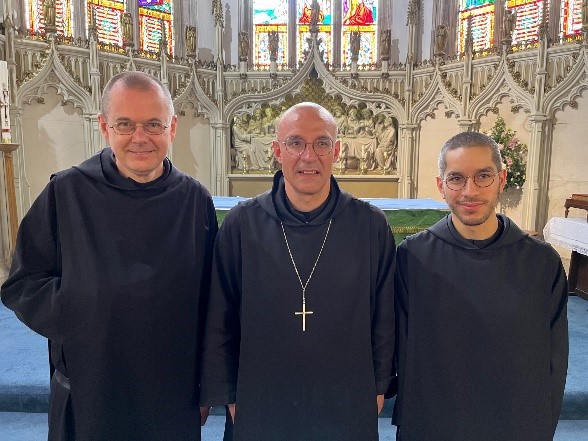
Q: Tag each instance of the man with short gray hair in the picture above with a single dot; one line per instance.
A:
(112, 265)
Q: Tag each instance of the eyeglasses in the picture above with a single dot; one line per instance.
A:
(129, 127)
(482, 179)
(296, 146)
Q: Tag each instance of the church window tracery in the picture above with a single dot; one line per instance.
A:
(529, 14)
(64, 11)
(325, 19)
(571, 17)
(152, 14)
(480, 14)
(268, 16)
(107, 19)
(360, 16)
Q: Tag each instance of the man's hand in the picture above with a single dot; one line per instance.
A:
(380, 401)
(232, 412)
(204, 412)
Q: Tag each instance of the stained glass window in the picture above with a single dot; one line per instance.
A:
(571, 17)
(482, 22)
(269, 16)
(152, 14)
(529, 15)
(324, 23)
(360, 16)
(63, 16)
(107, 18)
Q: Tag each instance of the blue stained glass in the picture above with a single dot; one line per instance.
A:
(270, 11)
(475, 3)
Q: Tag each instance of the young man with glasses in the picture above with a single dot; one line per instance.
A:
(481, 313)
(299, 338)
(112, 264)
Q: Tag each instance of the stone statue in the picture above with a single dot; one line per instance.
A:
(354, 45)
(585, 13)
(243, 46)
(49, 13)
(273, 44)
(315, 9)
(191, 41)
(126, 26)
(509, 23)
(385, 44)
(387, 145)
(441, 35)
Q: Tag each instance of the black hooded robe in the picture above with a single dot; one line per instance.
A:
(482, 337)
(114, 273)
(289, 384)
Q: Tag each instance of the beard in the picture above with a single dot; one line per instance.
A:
(488, 209)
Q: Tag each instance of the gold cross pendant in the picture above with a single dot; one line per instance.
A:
(303, 313)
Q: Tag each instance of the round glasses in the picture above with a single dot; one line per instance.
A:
(129, 127)
(482, 179)
(296, 146)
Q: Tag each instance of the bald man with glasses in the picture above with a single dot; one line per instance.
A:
(299, 339)
(481, 314)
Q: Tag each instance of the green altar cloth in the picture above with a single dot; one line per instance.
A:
(405, 216)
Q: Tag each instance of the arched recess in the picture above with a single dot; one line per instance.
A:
(54, 76)
(502, 85)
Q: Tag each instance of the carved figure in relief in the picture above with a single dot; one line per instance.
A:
(273, 44)
(49, 13)
(243, 46)
(354, 45)
(126, 26)
(441, 35)
(190, 40)
(509, 23)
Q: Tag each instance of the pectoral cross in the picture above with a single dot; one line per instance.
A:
(303, 313)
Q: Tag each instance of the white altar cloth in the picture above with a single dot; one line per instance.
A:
(568, 232)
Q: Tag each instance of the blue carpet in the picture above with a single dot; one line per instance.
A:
(24, 372)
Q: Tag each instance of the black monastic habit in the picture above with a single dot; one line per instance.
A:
(482, 336)
(289, 384)
(115, 274)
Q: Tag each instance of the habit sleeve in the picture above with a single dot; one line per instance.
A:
(220, 356)
(559, 342)
(32, 287)
(383, 305)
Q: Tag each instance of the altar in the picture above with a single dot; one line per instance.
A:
(405, 216)
(572, 233)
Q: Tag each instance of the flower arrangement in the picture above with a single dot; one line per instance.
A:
(514, 154)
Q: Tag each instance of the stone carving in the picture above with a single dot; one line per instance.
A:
(508, 24)
(441, 34)
(126, 26)
(49, 15)
(273, 43)
(191, 41)
(243, 46)
(354, 45)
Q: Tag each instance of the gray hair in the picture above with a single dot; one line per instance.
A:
(137, 81)
(466, 140)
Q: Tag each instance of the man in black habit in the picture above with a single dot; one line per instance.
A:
(112, 265)
(299, 336)
(481, 314)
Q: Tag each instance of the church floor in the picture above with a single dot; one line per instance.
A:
(16, 426)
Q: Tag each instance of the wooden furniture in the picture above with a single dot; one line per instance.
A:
(572, 233)
(577, 201)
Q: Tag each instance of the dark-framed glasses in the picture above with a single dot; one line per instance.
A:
(482, 179)
(296, 145)
(129, 127)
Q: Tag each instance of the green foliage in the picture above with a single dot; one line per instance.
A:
(514, 154)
